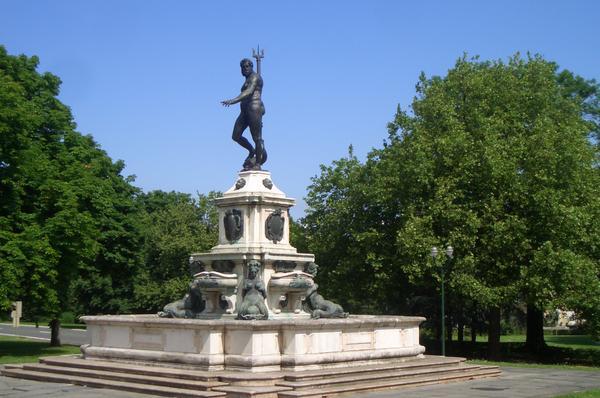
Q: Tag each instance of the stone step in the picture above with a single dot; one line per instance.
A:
(427, 362)
(381, 376)
(328, 391)
(122, 375)
(157, 371)
(111, 384)
(253, 391)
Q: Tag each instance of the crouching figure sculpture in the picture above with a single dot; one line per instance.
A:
(188, 307)
(254, 294)
(316, 305)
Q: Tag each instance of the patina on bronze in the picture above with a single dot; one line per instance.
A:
(234, 225)
(254, 294)
(315, 304)
(252, 110)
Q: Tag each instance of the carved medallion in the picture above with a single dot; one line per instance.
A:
(234, 225)
(274, 226)
(196, 266)
(223, 266)
(268, 183)
(239, 184)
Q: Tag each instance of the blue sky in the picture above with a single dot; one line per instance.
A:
(145, 78)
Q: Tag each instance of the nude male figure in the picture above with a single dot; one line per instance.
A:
(252, 110)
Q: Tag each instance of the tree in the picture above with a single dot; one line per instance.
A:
(494, 159)
(175, 225)
(67, 215)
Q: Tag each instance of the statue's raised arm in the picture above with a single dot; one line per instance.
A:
(252, 110)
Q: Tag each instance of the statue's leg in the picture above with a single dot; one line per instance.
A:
(255, 122)
(238, 129)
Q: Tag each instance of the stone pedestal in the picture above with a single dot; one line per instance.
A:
(254, 346)
(254, 225)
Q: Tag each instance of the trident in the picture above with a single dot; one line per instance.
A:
(258, 55)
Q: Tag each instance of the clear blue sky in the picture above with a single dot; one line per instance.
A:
(145, 77)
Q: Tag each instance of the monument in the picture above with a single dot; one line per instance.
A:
(253, 304)
(252, 323)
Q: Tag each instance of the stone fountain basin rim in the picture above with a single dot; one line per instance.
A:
(353, 321)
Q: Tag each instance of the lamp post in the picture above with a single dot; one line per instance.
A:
(434, 254)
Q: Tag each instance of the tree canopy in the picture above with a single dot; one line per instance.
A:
(75, 234)
(65, 209)
(496, 159)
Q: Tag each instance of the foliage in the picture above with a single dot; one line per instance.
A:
(65, 210)
(495, 160)
(174, 225)
(74, 233)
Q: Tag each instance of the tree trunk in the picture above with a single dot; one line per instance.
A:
(473, 333)
(54, 332)
(535, 330)
(461, 332)
(494, 334)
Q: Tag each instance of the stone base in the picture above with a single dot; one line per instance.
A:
(253, 346)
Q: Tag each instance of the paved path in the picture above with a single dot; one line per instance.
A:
(67, 336)
(514, 383)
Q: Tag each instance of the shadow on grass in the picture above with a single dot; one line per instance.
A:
(18, 350)
(516, 352)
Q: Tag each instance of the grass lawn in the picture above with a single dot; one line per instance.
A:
(62, 325)
(583, 394)
(21, 350)
(534, 365)
(562, 341)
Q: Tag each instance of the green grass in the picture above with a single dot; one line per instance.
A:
(62, 325)
(562, 341)
(534, 365)
(573, 350)
(572, 341)
(21, 350)
(582, 394)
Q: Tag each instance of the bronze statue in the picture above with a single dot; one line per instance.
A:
(189, 306)
(315, 304)
(252, 110)
(254, 294)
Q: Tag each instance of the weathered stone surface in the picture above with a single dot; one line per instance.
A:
(254, 346)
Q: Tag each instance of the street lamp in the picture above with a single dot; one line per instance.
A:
(449, 254)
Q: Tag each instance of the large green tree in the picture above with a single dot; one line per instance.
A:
(496, 159)
(67, 215)
(174, 226)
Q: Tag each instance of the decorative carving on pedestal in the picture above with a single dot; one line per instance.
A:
(219, 290)
(234, 225)
(287, 289)
(196, 266)
(239, 184)
(267, 183)
(254, 294)
(274, 226)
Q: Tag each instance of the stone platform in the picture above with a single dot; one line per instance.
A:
(253, 346)
(177, 382)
